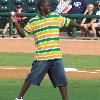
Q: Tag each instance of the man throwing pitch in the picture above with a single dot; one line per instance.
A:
(48, 57)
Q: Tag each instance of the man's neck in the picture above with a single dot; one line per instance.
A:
(43, 14)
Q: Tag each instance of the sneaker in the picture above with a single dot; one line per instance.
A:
(19, 99)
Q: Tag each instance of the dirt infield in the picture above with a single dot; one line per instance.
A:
(76, 47)
(16, 72)
(79, 47)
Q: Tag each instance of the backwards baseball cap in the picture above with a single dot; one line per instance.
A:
(18, 6)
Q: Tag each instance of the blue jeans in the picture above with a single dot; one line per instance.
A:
(54, 68)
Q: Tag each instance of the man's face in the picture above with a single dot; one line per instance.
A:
(46, 7)
(66, 0)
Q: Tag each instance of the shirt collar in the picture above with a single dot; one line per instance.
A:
(42, 17)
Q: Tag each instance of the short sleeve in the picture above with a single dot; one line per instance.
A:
(64, 22)
(28, 29)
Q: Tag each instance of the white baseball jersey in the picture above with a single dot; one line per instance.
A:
(62, 5)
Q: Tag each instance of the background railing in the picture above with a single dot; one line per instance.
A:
(7, 14)
(72, 16)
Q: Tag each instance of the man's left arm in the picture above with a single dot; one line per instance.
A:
(74, 24)
(66, 22)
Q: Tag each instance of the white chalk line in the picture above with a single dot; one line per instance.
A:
(66, 70)
(8, 68)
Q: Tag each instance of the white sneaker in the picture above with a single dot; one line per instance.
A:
(19, 99)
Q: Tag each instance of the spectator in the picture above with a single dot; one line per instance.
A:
(19, 18)
(62, 6)
(77, 6)
(86, 22)
(96, 23)
(19, 10)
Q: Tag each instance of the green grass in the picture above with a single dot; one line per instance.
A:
(16, 59)
(82, 61)
(25, 59)
(84, 89)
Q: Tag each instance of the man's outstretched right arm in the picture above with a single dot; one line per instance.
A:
(17, 26)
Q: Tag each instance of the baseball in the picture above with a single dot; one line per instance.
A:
(12, 13)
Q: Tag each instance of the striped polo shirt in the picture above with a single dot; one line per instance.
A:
(45, 31)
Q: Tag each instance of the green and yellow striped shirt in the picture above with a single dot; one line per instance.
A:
(46, 34)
